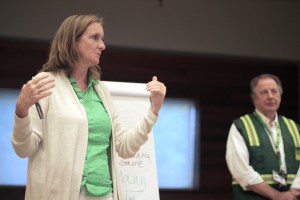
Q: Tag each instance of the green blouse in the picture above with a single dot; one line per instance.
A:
(96, 176)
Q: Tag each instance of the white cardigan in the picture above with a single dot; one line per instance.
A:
(56, 146)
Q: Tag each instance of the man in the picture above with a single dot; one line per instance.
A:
(263, 148)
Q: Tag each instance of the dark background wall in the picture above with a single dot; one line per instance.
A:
(219, 84)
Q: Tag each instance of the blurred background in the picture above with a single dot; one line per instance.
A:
(205, 51)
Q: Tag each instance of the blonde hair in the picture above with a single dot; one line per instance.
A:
(63, 51)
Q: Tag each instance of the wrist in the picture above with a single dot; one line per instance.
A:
(21, 112)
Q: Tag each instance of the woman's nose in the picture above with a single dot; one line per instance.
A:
(101, 45)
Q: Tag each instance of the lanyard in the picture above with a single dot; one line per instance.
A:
(277, 141)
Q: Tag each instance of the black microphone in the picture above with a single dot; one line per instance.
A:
(39, 110)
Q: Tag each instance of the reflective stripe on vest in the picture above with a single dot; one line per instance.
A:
(250, 129)
(268, 178)
(290, 178)
(293, 130)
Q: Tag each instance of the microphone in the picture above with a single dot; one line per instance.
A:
(39, 110)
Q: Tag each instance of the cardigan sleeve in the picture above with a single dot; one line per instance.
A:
(28, 131)
(25, 137)
(126, 141)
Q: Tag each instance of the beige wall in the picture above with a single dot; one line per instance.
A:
(258, 28)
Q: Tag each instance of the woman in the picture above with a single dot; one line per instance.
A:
(70, 143)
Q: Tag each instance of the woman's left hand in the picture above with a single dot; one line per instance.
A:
(158, 92)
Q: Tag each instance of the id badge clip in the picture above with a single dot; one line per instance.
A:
(279, 177)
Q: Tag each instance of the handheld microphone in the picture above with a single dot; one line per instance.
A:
(39, 110)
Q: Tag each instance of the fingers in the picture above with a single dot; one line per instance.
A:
(34, 90)
(40, 85)
(39, 77)
(158, 93)
(154, 78)
(155, 85)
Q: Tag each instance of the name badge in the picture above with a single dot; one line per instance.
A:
(279, 178)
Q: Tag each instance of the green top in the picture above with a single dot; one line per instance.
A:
(96, 176)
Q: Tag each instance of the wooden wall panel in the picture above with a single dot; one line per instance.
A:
(219, 84)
